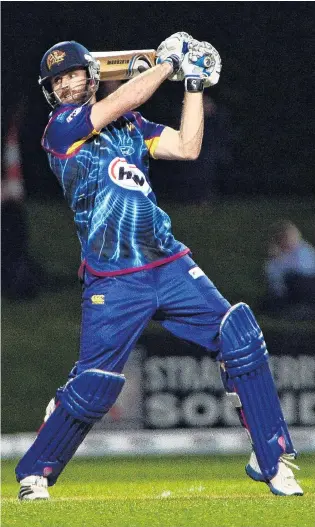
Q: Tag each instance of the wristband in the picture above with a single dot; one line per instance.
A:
(194, 84)
(174, 60)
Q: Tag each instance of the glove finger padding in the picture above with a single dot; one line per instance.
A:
(174, 46)
(204, 61)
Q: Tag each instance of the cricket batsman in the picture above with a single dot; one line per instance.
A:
(132, 268)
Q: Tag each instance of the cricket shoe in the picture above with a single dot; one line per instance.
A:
(33, 488)
(283, 483)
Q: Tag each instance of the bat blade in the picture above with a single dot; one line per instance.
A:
(124, 65)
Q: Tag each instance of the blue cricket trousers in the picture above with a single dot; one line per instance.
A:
(115, 311)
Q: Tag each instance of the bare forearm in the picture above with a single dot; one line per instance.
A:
(130, 95)
(192, 125)
(138, 90)
(185, 143)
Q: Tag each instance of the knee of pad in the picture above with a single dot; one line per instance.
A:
(242, 345)
(91, 394)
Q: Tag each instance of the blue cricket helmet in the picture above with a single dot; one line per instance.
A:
(62, 57)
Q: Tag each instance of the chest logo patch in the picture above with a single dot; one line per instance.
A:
(128, 176)
(127, 150)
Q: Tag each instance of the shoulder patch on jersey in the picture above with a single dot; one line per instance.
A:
(60, 115)
(73, 114)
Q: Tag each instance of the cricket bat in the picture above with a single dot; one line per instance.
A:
(124, 65)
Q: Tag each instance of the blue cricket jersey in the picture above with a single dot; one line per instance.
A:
(104, 177)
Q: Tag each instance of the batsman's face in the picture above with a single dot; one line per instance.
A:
(70, 87)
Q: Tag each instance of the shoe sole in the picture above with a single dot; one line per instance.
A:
(278, 493)
(254, 475)
(25, 498)
(26, 494)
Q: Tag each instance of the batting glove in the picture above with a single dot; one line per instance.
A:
(201, 66)
(173, 50)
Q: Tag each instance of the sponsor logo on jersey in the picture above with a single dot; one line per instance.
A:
(73, 114)
(128, 176)
(98, 299)
(55, 57)
(196, 272)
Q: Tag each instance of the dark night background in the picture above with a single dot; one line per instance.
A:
(266, 87)
(256, 167)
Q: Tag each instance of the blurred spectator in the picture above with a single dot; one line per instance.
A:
(290, 272)
(20, 274)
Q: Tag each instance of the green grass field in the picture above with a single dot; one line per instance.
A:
(181, 491)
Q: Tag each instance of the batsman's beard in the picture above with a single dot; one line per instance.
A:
(80, 94)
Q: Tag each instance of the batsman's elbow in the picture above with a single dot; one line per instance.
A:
(172, 145)
(190, 152)
(192, 156)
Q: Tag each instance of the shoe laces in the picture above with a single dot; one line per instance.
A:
(286, 459)
(40, 481)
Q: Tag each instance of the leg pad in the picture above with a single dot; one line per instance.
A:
(84, 400)
(244, 359)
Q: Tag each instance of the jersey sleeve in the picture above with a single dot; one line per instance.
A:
(67, 130)
(151, 132)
